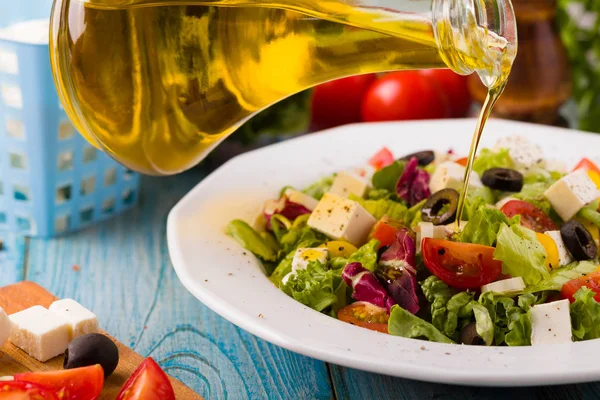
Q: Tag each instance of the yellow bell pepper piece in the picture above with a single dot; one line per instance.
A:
(591, 227)
(339, 248)
(595, 177)
(551, 250)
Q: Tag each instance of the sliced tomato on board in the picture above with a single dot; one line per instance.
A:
(591, 281)
(365, 315)
(83, 383)
(382, 158)
(148, 382)
(12, 390)
(531, 216)
(461, 265)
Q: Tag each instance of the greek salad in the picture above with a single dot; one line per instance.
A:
(380, 246)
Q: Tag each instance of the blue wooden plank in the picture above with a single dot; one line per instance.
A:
(354, 384)
(12, 258)
(120, 269)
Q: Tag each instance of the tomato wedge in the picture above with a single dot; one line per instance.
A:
(587, 165)
(531, 216)
(385, 231)
(70, 384)
(461, 265)
(382, 158)
(365, 315)
(462, 161)
(13, 390)
(591, 281)
(148, 382)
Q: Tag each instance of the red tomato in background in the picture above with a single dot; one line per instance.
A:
(531, 217)
(461, 265)
(148, 382)
(365, 315)
(83, 383)
(338, 102)
(404, 95)
(455, 87)
(591, 281)
(23, 391)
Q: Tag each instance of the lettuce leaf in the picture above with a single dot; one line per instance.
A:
(320, 187)
(521, 254)
(585, 315)
(316, 287)
(405, 324)
(387, 177)
(484, 193)
(487, 159)
(366, 255)
(512, 324)
(562, 275)
(483, 226)
(483, 323)
(251, 240)
(379, 208)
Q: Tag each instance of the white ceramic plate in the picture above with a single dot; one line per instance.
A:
(230, 281)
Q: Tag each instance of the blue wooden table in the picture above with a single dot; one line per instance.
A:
(120, 269)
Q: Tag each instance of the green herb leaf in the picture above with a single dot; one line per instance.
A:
(585, 315)
(387, 177)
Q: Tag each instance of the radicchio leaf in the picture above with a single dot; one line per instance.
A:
(413, 185)
(366, 287)
(401, 286)
(284, 207)
(401, 254)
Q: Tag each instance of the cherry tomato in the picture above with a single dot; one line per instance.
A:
(148, 382)
(338, 102)
(365, 315)
(83, 383)
(404, 95)
(461, 265)
(462, 161)
(382, 158)
(12, 390)
(456, 88)
(591, 281)
(531, 216)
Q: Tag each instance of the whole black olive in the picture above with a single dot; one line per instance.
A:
(445, 200)
(505, 179)
(469, 335)
(92, 349)
(578, 241)
(423, 157)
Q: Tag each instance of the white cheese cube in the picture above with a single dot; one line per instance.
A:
(346, 183)
(340, 218)
(564, 256)
(551, 323)
(428, 230)
(450, 175)
(450, 229)
(5, 327)
(304, 256)
(365, 172)
(506, 286)
(570, 193)
(525, 155)
(82, 320)
(41, 334)
(502, 202)
(300, 198)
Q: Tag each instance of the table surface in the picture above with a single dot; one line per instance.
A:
(120, 269)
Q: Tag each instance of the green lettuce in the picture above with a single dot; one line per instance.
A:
(484, 194)
(521, 254)
(590, 213)
(300, 234)
(413, 215)
(285, 265)
(387, 177)
(251, 240)
(403, 323)
(488, 159)
(483, 323)
(379, 208)
(512, 324)
(366, 255)
(541, 176)
(562, 275)
(317, 287)
(320, 187)
(483, 226)
(585, 315)
(379, 194)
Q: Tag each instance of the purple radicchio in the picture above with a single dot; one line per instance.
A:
(365, 286)
(413, 185)
(284, 207)
(398, 271)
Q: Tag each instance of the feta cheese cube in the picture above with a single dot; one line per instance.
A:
(300, 198)
(41, 334)
(564, 256)
(428, 230)
(525, 155)
(340, 218)
(304, 256)
(551, 323)
(506, 286)
(82, 320)
(5, 327)
(570, 193)
(450, 175)
(346, 183)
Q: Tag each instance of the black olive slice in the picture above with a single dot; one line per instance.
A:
(578, 241)
(469, 335)
(446, 200)
(423, 157)
(505, 179)
(92, 349)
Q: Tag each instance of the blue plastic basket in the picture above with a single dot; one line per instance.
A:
(52, 181)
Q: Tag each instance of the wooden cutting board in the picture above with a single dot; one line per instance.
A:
(22, 295)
